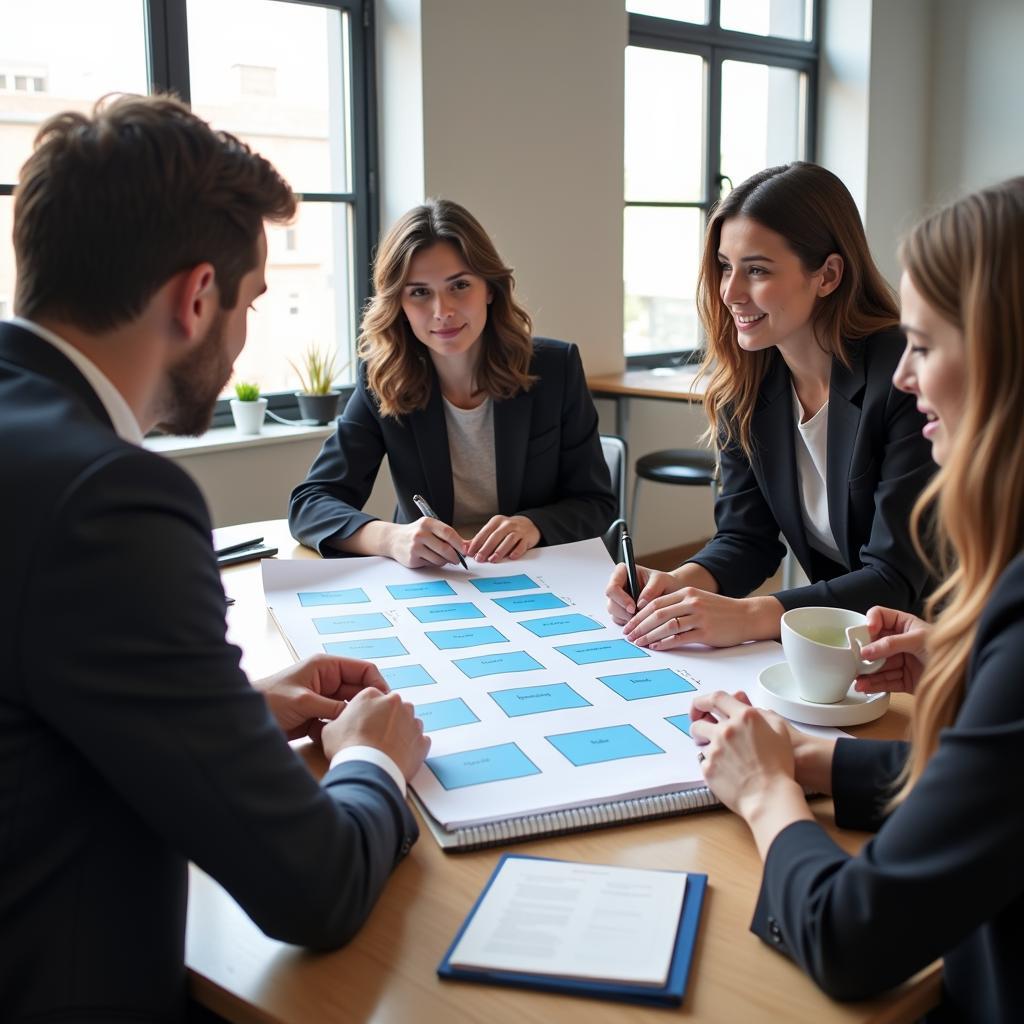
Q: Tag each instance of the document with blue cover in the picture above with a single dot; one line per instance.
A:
(585, 929)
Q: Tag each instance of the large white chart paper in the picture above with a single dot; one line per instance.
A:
(533, 699)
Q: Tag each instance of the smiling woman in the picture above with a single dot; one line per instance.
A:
(814, 441)
(496, 429)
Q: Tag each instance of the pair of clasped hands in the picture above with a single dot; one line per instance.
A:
(342, 702)
(429, 541)
(747, 753)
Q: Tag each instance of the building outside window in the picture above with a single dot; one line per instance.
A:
(715, 90)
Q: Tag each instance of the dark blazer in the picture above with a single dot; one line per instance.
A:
(130, 740)
(878, 463)
(943, 875)
(547, 454)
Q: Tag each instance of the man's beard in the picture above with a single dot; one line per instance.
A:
(195, 384)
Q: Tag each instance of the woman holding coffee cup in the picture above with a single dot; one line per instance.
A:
(814, 441)
(942, 876)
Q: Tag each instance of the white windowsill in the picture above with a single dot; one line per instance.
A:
(221, 439)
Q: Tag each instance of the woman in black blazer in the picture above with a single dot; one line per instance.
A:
(942, 877)
(814, 441)
(495, 429)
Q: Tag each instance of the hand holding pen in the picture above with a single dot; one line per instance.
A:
(431, 541)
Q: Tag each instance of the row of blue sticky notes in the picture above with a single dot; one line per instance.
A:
(351, 623)
(355, 595)
(639, 685)
(493, 664)
(609, 744)
(529, 603)
(532, 700)
(401, 676)
(602, 650)
(444, 714)
(487, 764)
(428, 588)
(453, 639)
(557, 625)
(380, 647)
(448, 612)
(501, 584)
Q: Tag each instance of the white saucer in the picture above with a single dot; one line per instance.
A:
(778, 692)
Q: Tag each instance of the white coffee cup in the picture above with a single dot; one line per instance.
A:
(822, 648)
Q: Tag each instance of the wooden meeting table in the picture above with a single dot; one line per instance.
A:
(386, 974)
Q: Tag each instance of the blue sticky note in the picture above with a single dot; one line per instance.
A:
(381, 647)
(401, 676)
(429, 588)
(500, 584)
(681, 722)
(529, 603)
(656, 683)
(446, 612)
(602, 650)
(558, 625)
(356, 595)
(444, 714)
(532, 700)
(610, 744)
(494, 664)
(351, 623)
(487, 764)
(453, 639)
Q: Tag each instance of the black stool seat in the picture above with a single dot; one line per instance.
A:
(692, 467)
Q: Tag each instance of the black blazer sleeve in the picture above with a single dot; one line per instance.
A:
(146, 688)
(942, 877)
(329, 502)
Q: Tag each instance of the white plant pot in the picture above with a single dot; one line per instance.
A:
(248, 415)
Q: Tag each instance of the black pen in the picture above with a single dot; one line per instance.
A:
(628, 558)
(421, 503)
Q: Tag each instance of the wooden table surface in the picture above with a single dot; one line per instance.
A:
(673, 384)
(386, 974)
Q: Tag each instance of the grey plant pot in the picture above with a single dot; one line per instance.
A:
(319, 408)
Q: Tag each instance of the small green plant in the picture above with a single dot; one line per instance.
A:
(317, 371)
(247, 392)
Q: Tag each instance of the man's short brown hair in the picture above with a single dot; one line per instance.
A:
(109, 208)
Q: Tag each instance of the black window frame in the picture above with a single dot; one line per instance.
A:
(167, 60)
(716, 45)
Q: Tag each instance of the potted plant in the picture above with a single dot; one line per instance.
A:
(248, 408)
(318, 399)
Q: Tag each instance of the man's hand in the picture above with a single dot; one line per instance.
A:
(302, 696)
(383, 721)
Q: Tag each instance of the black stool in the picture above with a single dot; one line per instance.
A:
(690, 467)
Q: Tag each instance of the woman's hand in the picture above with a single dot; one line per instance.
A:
(748, 761)
(652, 584)
(504, 537)
(424, 542)
(694, 616)
(900, 638)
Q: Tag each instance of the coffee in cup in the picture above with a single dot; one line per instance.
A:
(822, 647)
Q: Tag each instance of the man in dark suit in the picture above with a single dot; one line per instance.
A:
(130, 740)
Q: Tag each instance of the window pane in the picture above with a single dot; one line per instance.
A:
(6, 257)
(662, 251)
(790, 19)
(308, 299)
(664, 125)
(277, 75)
(676, 10)
(764, 117)
(60, 55)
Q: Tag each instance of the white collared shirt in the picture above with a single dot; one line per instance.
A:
(126, 426)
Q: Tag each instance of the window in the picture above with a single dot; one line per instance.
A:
(291, 78)
(715, 90)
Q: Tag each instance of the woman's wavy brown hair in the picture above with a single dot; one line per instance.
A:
(398, 371)
(967, 262)
(816, 215)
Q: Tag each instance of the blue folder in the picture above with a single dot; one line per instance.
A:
(671, 994)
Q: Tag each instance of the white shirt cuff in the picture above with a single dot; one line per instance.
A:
(373, 756)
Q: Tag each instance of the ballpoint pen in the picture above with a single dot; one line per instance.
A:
(630, 560)
(421, 503)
